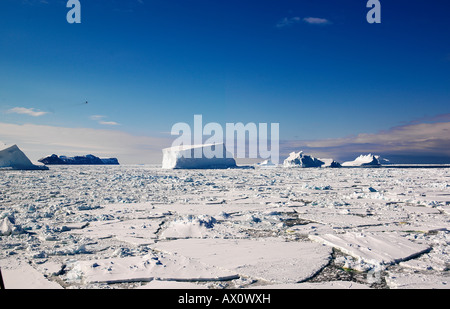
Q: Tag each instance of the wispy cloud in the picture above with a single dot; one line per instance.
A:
(435, 118)
(108, 123)
(316, 21)
(99, 119)
(286, 22)
(96, 117)
(26, 111)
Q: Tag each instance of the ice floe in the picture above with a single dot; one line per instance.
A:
(375, 248)
(146, 268)
(272, 260)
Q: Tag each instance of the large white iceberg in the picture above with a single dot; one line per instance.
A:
(11, 157)
(364, 160)
(203, 156)
(300, 159)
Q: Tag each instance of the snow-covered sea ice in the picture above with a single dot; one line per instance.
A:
(142, 226)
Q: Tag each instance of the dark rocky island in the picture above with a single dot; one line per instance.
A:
(78, 160)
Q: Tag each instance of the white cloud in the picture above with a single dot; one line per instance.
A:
(316, 21)
(96, 117)
(99, 118)
(26, 111)
(285, 22)
(108, 123)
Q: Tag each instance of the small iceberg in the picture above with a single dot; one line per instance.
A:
(364, 160)
(299, 159)
(11, 157)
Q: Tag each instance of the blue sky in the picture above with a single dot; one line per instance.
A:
(317, 68)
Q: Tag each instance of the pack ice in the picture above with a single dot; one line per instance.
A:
(141, 226)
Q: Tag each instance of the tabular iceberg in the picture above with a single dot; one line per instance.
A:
(193, 157)
(12, 157)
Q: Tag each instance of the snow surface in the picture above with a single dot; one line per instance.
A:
(271, 260)
(26, 277)
(146, 227)
(185, 157)
(374, 248)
